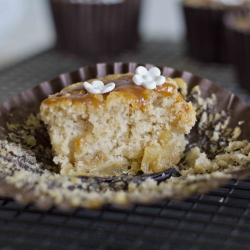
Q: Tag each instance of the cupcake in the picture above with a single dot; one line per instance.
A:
(205, 30)
(118, 124)
(217, 148)
(237, 24)
(95, 29)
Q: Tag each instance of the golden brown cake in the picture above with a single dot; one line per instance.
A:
(128, 130)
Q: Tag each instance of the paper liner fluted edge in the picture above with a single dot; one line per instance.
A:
(29, 101)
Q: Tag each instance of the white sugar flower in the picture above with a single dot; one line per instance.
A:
(148, 78)
(98, 87)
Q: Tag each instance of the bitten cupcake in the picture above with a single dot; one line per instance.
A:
(95, 29)
(205, 30)
(237, 24)
(119, 124)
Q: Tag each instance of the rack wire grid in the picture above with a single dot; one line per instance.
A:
(216, 220)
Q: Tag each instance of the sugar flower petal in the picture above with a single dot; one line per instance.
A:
(107, 88)
(149, 85)
(154, 72)
(93, 90)
(98, 87)
(141, 71)
(148, 78)
(138, 79)
(87, 85)
(98, 84)
(159, 80)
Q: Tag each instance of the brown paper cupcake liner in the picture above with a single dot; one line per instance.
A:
(205, 34)
(96, 31)
(238, 43)
(28, 175)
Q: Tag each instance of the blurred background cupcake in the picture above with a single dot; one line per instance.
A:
(237, 25)
(96, 28)
(205, 30)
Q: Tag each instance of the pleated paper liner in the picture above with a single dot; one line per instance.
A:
(28, 176)
(96, 31)
(205, 30)
(238, 44)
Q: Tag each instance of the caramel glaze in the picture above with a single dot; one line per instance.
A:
(123, 85)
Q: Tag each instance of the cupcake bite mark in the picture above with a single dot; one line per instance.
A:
(148, 78)
(98, 87)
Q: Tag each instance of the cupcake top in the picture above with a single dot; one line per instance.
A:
(118, 124)
(217, 4)
(136, 88)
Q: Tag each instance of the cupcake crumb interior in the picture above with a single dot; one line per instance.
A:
(129, 130)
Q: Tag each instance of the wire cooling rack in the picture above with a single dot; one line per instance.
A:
(217, 220)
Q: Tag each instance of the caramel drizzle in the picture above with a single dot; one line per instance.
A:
(124, 85)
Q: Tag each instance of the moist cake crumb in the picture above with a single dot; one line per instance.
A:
(129, 130)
